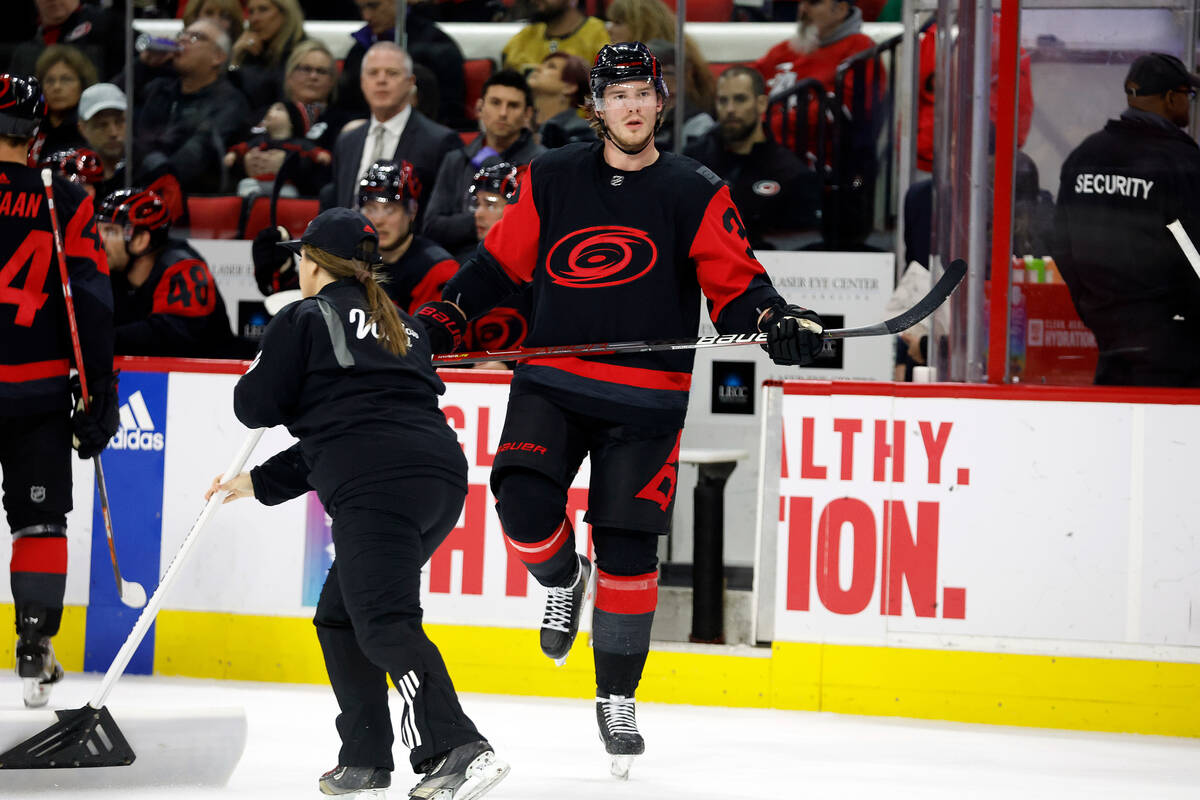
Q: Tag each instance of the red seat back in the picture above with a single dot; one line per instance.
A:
(293, 213)
(214, 217)
(475, 72)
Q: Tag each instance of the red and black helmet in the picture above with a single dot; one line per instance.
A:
(137, 209)
(80, 165)
(498, 179)
(625, 61)
(389, 182)
(22, 107)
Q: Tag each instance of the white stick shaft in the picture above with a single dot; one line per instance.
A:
(146, 619)
(1185, 244)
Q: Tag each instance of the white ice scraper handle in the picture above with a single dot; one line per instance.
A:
(146, 619)
(1185, 244)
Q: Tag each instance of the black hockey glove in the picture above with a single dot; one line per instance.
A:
(793, 335)
(272, 264)
(93, 428)
(445, 323)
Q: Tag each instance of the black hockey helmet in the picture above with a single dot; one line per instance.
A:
(389, 182)
(498, 179)
(625, 61)
(137, 209)
(80, 165)
(22, 106)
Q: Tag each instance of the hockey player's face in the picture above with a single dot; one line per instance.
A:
(113, 237)
(391, 220)
(488, 208)
(630, 110)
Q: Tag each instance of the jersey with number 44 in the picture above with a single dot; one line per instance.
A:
(35, 344)
(176, 312)
(623, 256)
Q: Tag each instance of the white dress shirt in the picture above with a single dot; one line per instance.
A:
(392, 129)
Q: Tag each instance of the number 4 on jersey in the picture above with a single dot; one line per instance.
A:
(29, 299)
(185, 290)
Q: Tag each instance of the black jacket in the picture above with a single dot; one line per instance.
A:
(98, 32)
(357, 409)
(774, 191)
(447, 220)
(1130, 282)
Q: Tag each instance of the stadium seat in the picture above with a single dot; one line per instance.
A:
(293, 213)
(475, 72)
(214, 216)
(706, 10)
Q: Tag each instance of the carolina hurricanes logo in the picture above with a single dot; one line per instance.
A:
(602, 256)
(6, 92)
(498, 329)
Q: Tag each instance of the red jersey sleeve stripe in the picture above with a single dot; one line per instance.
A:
(34, 370)
(513, 241)
(430, 287)
(630, 376)
(725, 264)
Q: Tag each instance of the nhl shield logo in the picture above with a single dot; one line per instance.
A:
(37, 493)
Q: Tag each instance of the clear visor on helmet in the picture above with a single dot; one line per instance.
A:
(377, 205)
(488, 200)
(633, 93)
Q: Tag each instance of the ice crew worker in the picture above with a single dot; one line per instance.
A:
(36, 422)
(617, 240)
(1130, 281)
(167, 303)
(350, 377)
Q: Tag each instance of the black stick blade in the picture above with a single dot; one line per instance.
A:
(923, 308)
(82, 737)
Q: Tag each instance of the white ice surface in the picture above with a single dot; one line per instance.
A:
(691, 752)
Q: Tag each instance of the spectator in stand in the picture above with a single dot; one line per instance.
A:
(698, 121)
(307, 173)
(1130, 282)
(773, 190)
(560, 87)
(310, 86)
(166, 301)
(189, 121)
(64, 72)
(395, 131)
(925, 96)
(828, 32)
(97, 31)
(427, 44)
(274, 28)
(102, 110)
(646, 20)
(505, 112)
(226, 13)
(557, 26)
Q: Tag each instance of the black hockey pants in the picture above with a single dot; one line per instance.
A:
(369, 621)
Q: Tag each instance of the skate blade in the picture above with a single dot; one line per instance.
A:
(35, 693)
(482, 776)
(364, 794)
(619, 766)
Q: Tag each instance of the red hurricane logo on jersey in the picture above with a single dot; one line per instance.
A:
(603, 256)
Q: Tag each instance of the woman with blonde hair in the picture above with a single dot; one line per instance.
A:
(64, 72)
(645, 20)
(350, 377)
(226, 13)
(273, 29)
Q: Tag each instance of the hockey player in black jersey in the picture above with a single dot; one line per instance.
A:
(36, 422)
(167, 302)
(350, 377)
(617, 241)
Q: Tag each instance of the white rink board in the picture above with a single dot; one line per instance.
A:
(1074, 525)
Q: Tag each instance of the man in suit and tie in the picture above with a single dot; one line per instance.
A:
(395, 130)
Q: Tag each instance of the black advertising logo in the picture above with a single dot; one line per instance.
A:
(733, 387)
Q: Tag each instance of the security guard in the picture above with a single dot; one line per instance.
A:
(1129, 280)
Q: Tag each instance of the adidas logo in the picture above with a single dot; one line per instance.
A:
(137, 428)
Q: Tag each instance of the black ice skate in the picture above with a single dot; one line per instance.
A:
(617, 718)
(360, 782)
(466, 772)
(38, 668)
(564, 608)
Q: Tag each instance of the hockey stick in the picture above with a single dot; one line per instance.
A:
(132, 593)
(924, 307)
(1185, 244)
(88, 736)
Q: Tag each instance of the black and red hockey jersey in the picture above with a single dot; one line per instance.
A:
(178, 311)
(615, 256)
(418, 276)
(35, 344)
